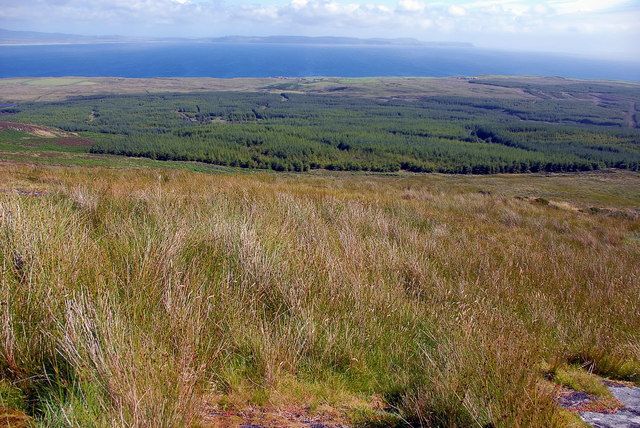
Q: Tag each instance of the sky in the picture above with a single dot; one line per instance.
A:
(583, 27)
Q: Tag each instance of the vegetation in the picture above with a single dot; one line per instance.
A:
(145, 290)
(153, 297)
(580, 380)
(300, 126)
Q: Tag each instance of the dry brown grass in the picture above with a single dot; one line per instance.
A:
(60, 88)
(131, 295)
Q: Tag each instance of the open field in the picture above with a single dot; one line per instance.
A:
(160, 297)
(56, 89)
(61, 88)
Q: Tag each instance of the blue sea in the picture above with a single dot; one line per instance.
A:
(289, 60)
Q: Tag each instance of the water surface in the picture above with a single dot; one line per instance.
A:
(268, 60)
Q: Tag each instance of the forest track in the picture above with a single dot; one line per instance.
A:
(631, 117)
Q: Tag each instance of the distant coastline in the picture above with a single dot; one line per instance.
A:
(222, 42)
(29, 38)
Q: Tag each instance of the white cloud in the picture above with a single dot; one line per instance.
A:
(554, 24)
(299, 4)
(456, 10)
(587, 6)
(411, 6)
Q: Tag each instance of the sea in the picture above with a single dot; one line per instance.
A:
(164, 59)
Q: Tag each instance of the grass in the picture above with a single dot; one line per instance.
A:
(12, 406)
(580, 380)
(572, 420)
(140, 296)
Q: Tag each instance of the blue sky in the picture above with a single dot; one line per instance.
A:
(586, 27)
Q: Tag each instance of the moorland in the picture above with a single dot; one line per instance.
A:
(316, 252)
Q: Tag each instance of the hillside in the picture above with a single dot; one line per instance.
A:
(318, 253)
(155, 297)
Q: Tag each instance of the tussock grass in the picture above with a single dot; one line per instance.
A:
(579, 379)
(131, 297)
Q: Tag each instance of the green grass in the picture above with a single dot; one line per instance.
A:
(578, 379)
(13, 405)
(138, 291)
(11, 397)
(64, 158)
(138, 295)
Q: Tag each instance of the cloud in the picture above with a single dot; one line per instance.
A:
(411, 6)
(299, 4)
(456, 10)
(550, 24)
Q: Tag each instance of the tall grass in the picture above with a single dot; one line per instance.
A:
(137, 297)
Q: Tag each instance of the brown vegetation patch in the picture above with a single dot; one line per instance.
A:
(256, 417)
(578, 401)
(13, 418)
(627, 213)
(25, 192)
(65, 139)
(39, 131)
(630, 214)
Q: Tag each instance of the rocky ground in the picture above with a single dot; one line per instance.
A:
(625, 414)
